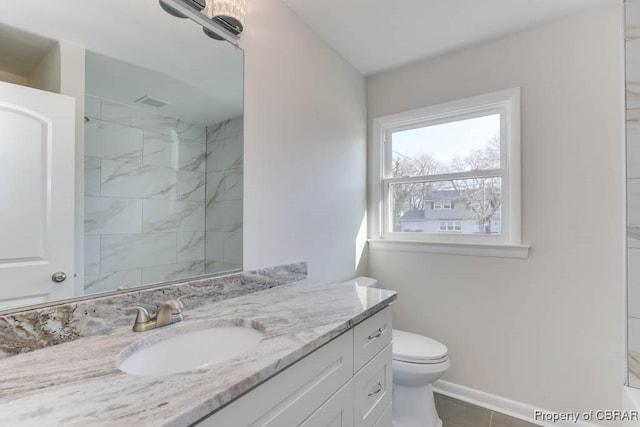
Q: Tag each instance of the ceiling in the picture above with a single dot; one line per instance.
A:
(377, 35)
(136, 49)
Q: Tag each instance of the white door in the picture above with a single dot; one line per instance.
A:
(37, 141)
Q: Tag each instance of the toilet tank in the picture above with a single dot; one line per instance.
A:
(367, 282)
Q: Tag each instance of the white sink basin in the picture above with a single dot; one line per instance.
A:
(187, 349)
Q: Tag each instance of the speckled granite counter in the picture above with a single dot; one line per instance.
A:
(77, 383)
(25, 330)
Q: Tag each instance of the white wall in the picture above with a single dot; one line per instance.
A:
(305, 148)
(46, 75)
(547, 331)
(16, 79)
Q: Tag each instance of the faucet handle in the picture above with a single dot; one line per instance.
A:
(175, 304)
(142, 313)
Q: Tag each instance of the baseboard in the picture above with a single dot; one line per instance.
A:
(500, 404)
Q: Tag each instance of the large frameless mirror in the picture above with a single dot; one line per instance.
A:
(121, 147)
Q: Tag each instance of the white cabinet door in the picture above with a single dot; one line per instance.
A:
(37, 140)
(372, 387)
(290, 397)
(336, 412)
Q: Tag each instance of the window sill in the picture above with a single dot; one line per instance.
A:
(466, 249)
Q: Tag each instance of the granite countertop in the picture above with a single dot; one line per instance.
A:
(77, 383)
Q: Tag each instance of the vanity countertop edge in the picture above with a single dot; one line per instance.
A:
(77, 383)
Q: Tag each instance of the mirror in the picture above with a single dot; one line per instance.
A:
(157, 152)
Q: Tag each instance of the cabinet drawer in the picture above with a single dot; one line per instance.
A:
(288, 398)
(336, 412)
(386, 419)
(372, 389)
(371, 336)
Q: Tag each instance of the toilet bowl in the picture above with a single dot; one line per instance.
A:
(418, 361)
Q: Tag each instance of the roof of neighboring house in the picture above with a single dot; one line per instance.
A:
(413, 214)
(442, 195)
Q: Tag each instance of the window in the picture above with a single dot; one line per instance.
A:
(450, 170)
(442, 205)
(446, 226)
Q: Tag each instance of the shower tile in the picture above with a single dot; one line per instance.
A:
(224, 216)
(214, 246)
(632, 19)
(164, 273)
(121, 179)
(215, 132)
(212, 267)
(192, 156)
(633, 115)
(633, 213)
(191, 186)
(633, 73)
(138, 118)
(224, 154)
(133, 251)
(160, 150)
(105, 282)
(233, 247)
(192, 132)
(633, 282)
(233, 127)
(172, 215)
(91, 176)
(91, 255)
(215, 188)
(112, 141)
(92, 107)
(633, 149)
(633, 343)
(233, 181)
(191, 246)
(104, 215)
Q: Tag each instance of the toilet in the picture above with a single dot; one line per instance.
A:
(418, 361)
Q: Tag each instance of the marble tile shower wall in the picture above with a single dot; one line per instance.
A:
(145, 197)
(632, 59)
(224, 196)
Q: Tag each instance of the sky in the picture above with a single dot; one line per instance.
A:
(448, 140)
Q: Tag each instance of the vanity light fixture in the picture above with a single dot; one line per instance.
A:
(170, 10)
(230, 13)
(220, 19)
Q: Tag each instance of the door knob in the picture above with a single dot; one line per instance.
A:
(59, 277)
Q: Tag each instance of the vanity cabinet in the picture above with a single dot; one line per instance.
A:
(345, 383)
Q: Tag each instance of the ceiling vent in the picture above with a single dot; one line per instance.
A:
(153, 102)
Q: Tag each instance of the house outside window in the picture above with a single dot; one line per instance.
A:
(451, 170)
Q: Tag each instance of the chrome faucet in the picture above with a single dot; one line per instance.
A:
(169, 312)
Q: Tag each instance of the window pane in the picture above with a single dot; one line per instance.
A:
(475, 206)
(458, 146)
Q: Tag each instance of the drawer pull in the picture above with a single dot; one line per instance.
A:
(377, 390)
(376, 334)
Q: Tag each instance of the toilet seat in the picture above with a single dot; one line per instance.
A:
(414, 348)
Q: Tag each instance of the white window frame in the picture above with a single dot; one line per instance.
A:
(506, 103)
(450, 225)
(439, 205)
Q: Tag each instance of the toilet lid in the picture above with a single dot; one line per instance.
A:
(414, 348)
